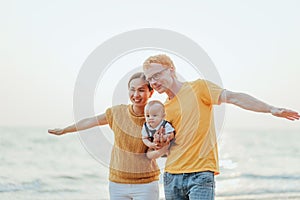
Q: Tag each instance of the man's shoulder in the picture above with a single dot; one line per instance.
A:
(198, 83)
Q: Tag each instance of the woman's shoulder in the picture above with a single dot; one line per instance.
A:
(117, 111)
(120, 106)
(117, 108)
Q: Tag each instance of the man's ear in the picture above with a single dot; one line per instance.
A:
(172, 71)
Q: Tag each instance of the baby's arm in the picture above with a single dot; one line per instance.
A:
(146, 139)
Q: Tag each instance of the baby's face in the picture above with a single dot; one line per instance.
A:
(154, 115)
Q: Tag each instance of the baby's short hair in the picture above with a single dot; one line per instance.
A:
(155, 102)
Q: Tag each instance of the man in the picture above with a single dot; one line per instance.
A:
(193, 161)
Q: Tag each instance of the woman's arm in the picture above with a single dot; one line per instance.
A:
(157, 153)
(81, 125)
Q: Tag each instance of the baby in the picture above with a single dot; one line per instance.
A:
(154, 115)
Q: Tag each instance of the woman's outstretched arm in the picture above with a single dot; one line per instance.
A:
(81, 125)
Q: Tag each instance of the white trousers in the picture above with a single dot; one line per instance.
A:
(147, 191)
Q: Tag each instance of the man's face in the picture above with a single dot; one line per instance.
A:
(159, 77)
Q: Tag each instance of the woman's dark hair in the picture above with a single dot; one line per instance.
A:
(142, 76)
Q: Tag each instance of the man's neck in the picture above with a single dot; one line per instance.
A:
(176, 86)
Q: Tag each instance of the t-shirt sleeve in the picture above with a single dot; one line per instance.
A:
(109, 116)
(144, 132)
(210, 92)
(169, 128)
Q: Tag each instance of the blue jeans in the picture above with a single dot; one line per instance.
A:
(197, 185)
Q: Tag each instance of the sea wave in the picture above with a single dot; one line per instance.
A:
(263, 196)
(12, 187)
(259, 176)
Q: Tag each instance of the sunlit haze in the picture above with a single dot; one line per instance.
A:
(254, 45)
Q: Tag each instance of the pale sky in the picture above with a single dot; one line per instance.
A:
(254, 45)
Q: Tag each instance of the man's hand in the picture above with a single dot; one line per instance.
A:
(285, 113)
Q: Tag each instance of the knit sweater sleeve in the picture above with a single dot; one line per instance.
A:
(109, 116)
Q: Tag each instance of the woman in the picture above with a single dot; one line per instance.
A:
(133, 174)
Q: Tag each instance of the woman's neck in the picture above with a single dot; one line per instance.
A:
(138, 110)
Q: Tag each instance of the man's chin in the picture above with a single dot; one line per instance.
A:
(160, 91)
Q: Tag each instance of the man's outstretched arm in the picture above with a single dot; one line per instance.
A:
(248, 102)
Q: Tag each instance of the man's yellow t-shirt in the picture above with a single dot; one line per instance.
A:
(191, 114)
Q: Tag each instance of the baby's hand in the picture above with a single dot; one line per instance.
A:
(156, 137)
(161, 139)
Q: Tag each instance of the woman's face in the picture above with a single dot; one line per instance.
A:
(139, 92)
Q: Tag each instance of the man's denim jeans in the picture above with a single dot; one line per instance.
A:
(197, 185)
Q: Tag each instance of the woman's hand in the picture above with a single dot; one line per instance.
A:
(56, 131)
(81, 125)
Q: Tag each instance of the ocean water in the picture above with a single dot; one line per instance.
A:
(259, 165)
(35, 165)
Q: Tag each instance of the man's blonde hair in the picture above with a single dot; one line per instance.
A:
(159, 59)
